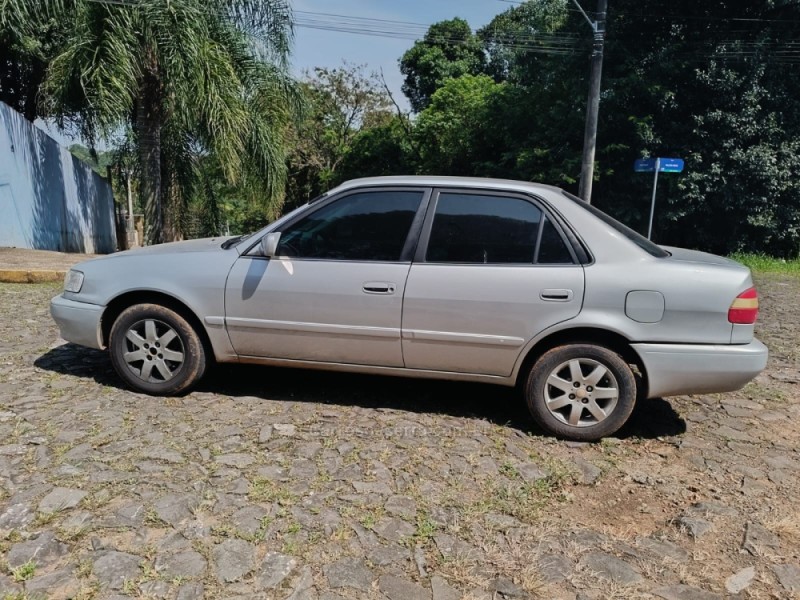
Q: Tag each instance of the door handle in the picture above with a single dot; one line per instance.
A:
(556, 295)
(379, 287)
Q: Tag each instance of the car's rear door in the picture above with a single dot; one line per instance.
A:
(491, 271)
(333, 292)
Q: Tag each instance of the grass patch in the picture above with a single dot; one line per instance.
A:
(425, 531)
(761, 263)
(84, 569)
(43, 519)
(24, 572)
(266, 490)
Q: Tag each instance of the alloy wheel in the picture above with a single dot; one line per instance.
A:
(154, 351)
(581, 392)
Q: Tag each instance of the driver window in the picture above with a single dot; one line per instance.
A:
(366, 226)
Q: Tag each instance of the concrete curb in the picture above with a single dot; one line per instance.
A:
(30, 276)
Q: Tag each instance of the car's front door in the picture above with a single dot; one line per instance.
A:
(491, 271)
(334, 290)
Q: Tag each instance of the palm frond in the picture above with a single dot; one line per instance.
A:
(213, 72)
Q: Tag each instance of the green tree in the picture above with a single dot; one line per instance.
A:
(99, 161)
(342, 102)
(456, 130)
(713, 84)
(25, 53)
(530, 128)
(527, 43)
(185, 79)
(449, 50)
(541, 49)
(386, 149)
(218, 208)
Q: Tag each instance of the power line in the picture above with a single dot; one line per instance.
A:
(534, 42)
(709, 18)
(680, 17)
(547, 44)
(401, 26)
(542, 48)
(338, 16)
(551, 43)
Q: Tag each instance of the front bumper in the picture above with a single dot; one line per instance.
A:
(79, 322)
(677, 369)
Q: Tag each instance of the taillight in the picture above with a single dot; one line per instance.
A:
(744, 310)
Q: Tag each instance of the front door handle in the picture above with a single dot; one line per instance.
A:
(379, 287)
(556, 295)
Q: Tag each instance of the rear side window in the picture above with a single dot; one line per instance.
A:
(483, 229)
(636, 238)
(552, 249)
(367, 226)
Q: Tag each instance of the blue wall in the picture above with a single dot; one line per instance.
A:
(50, 200)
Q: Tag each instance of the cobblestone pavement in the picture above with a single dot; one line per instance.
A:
(269, 483)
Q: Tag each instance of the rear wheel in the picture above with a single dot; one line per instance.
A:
(155, 350)
(581, 391)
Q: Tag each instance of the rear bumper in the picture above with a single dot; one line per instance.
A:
(676, 369)
(78, 322)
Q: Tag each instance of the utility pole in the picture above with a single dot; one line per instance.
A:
(593, 106)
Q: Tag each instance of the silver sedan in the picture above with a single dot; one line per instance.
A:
(496, 281)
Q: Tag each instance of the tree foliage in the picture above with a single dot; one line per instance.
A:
(457, 132)
(716, 86)
(25, 53)
(207, 109)
(185, 79)
(341, 103)
(449, 50)
(99, 161)
(714, 83)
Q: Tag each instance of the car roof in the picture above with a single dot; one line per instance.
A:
(448, 181)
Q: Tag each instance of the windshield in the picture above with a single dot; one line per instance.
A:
(235, 240)
(636, 238)
(240, 238)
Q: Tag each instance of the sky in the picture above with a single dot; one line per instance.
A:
(315, 48)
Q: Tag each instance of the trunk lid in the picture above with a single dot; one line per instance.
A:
(704, 258)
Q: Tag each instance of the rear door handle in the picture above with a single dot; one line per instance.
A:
(556, 295)
(379, 287)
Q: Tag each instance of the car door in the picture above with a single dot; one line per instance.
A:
(334, 290)
(491, 271)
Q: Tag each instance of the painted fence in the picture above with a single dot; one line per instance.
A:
(50, 200)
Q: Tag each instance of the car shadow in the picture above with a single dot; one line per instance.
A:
(495, 404)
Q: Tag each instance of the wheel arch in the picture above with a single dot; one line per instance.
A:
(592, 335)
(115, 308)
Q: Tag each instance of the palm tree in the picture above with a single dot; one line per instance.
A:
(182, 80)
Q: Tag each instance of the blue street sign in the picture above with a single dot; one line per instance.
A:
(665, 165)
(645, 165)
(671, 165)
(657, 165)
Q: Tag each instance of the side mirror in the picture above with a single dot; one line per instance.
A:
(269, 244)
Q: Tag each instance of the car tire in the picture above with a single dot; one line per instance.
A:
(582, 392)
(155, 350)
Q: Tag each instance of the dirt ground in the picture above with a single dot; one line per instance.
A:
(34, 260)
(269, 483)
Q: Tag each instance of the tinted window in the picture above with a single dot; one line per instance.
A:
(482, 229)
(364, 226)
(552, 249)
(629, 233)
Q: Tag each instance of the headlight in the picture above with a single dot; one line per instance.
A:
(73, 281)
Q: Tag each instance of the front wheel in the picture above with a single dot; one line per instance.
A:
(156, 351)
(581, 391)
